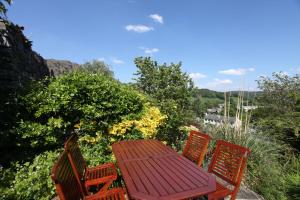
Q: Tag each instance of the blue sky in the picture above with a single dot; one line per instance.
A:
(223, 45)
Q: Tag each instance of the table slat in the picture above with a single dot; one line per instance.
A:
(151, 170)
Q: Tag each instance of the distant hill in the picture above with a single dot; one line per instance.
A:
(206, 99)
(220, 95)
(209, 93)
(57, 67)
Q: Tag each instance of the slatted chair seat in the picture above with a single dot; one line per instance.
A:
(94, 176)
(228, 164)
(196, 147)
(68, 188)
(100, 173)
(113, 194)
(221, 190)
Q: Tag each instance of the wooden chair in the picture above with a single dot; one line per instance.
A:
(228, 163)
(196, 147)
(68, 188)
(99, 175)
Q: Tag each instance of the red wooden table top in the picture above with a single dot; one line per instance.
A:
(152, 170)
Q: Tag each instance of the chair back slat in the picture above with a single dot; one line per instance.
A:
(229, 161)
(66, 184)
(196, 147)
(75, 156)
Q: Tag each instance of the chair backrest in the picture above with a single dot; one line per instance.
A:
(67, 186)
(229, 161)
(74, 154)
(196, 147)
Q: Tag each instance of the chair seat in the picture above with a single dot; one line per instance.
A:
(100, 174)
(113, 194)
(221, 192)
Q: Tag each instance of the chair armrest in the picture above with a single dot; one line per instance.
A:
(106, 165)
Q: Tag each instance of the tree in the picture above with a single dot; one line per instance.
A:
(172, 89)
(279, 107)
(96, 66)
(3, 9)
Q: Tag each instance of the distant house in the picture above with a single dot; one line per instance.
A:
(221, 105)
(218, 120)
(214, 110)
(247, 108)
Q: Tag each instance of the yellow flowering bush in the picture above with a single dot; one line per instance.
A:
(90, 139)
(150, 120)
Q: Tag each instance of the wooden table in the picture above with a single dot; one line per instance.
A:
(152, 170)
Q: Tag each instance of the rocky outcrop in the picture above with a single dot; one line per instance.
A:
(18, 62)
(57, 67)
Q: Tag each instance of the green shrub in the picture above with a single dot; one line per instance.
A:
(172, 90)
(32, 180)
(6, 180)
(90, 100)
(96, 66)
(293, 178)
(96, 150)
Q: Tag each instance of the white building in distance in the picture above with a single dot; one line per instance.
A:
(218, 120)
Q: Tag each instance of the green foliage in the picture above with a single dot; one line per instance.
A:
(91, 100)
(279, 108)
(293, 178)
(97, 153)
(209, 93)
(172, 89)
(32, 180)
(6, 180)
(99, 67)
(3, 8)
(41, 135)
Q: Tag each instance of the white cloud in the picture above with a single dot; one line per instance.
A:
(150, 51)
(238, 72)
(101, 59)
(233, 71)
(117, 61)
(197, 76)
(138, 28)
(157, 18)
(218, 84)
(224, 81)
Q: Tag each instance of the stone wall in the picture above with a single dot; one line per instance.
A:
(18, 62)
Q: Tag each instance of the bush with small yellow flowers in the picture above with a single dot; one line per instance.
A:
(148, 124)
